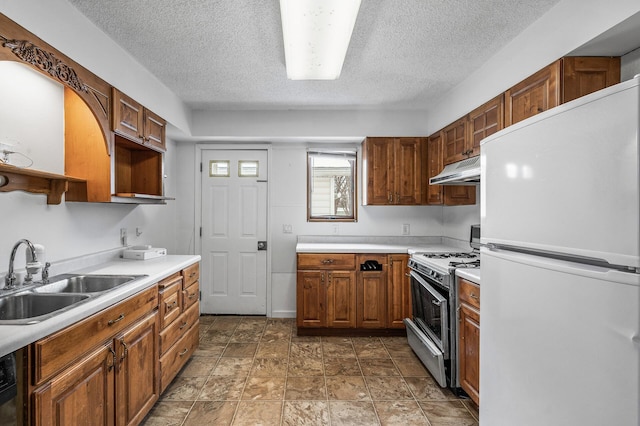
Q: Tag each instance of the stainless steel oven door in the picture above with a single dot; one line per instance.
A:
(430, 355)
(430, 311)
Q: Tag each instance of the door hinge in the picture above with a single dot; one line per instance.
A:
(200, 167)
(199, 295)
(201, 231)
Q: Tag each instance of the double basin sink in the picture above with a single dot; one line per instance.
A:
(42, 301)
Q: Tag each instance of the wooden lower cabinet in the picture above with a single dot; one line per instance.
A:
(326, 299)
(353, 297)
(469, 338)
(180, 322)
(83, 394)
(114, 384)
(398, 291)
(137, 384)
(371, 293)
(110, 368)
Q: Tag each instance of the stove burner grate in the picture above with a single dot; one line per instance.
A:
(473, 264)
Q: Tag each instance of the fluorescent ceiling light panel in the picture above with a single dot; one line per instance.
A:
(316, 36)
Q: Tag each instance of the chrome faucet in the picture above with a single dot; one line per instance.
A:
(10, 279)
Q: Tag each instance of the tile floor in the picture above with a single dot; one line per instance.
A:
(257, 371)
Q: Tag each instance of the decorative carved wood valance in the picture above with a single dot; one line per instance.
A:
(46, 61)
(18, 44)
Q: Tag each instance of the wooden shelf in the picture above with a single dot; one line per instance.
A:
(53, 185)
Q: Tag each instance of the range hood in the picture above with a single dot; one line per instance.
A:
(465, 172)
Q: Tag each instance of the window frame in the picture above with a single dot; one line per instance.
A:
(330, 218)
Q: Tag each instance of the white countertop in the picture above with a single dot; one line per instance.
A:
(13, 337)
(471, 274)
(360, 244)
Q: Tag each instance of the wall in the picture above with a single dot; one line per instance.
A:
(65, 28)
(288, 191)
(34, 126)
(630, 64)
(567, 26)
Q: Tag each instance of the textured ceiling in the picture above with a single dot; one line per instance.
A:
(228, 54)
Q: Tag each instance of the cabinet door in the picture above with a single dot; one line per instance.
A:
(137, 376)
(378, 166)
(434, 166)
(398, 291)
(128, 116)
(310, 299)
(341, 299)
(408, 163)
(454, 141)
(81, 395)
(469, 351)
(484, 121)
(584, 75)
(372, 301)
(459, 195)
(533, 95)
(154, 130)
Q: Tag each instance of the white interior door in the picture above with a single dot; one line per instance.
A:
(234, 223)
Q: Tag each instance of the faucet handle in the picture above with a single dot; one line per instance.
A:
(45, 272)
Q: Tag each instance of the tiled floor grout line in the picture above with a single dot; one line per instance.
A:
(234, 338)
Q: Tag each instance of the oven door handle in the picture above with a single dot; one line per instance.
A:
(436, 302)
(429, 288)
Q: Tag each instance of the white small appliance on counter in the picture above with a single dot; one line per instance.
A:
(143, 252)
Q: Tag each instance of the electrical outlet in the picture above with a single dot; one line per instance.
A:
(335, 229)
(287, 229)
(123, 236)
(405, 229)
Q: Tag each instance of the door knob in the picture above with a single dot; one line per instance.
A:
(262, 245)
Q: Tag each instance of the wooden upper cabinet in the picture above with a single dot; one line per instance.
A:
(484, 121)
(535, 94)
(444, 194)
(564, 80)
(135, 122)
(584, 75)
(454, 141)
(393, 170)
(434, 166)
(378, 167)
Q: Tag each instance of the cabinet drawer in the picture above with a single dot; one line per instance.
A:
(55, 352)
(327, 261)
(191, 274)
(177, 356)
(170, 303)
(469, 292)
(190, 295)
(170, 335)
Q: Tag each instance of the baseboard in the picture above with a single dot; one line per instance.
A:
(283, 314)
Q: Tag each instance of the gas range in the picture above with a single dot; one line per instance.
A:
(443, 263)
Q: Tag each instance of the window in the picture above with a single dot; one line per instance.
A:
(331, 192)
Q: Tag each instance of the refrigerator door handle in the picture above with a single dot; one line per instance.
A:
(584, 260)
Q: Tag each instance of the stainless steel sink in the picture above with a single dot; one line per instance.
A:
(39, 302)
(85, 283)
(27, 308)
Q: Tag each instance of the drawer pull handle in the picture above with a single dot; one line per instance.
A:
(184, 325)
(120, 318)
(172, 305)
(192, 296)
(193, 274)
(327, 261)
(473, 296)
(184, 352)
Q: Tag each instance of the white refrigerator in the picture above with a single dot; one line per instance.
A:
(560, 216)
